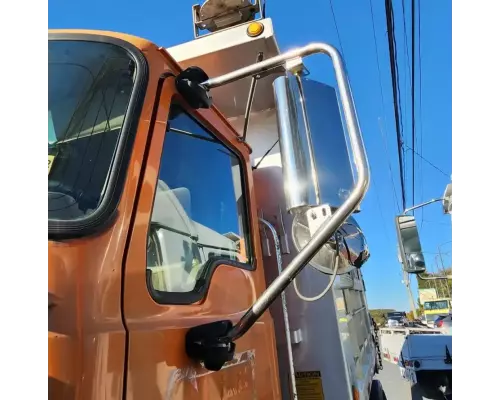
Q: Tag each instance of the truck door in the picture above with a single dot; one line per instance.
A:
(192, 259)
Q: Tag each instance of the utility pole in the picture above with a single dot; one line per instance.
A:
(443, 268)
(439, 281)
(441, 258)
(407, 283)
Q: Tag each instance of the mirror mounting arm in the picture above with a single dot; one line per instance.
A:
(433, 278)
(343, 212)
(251, 96)
(421, 205)
(189, 84)
(224, 343)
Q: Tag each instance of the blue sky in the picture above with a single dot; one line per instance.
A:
(169, 23)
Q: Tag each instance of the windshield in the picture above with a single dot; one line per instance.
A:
(90, 86)
(436, 305)
(396, 315)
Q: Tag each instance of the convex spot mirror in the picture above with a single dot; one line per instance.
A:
(349, 242)
(410, 249)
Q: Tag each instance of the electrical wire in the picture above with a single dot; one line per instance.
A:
(428, 162)
(325, 291)
(338, 33)
(383, 109)
(437, 222)
(406, 70)
(405, 37)
(420, 124)
(380, 211)
(395, 91)
(330, 283)
(396, 62)
(412, 98)
(386, 151)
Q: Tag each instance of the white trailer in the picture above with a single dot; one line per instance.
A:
(426, 361)
(424, 357)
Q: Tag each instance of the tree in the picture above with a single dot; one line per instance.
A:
(443, 286)
(420, 308)
(379, 315)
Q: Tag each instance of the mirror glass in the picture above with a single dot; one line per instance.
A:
(353, 250)
(410, 249)
(447, 198)
(315, 158)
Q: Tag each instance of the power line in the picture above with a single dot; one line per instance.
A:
(427, 161)
(420, 124)
(386, 151)
(447, 253)
(412, 97)
(438, 222)
(407, 70)
(405, 37)
(395, 90)
(396, 201)
(337, 29)
(381, 213)
(396, 62)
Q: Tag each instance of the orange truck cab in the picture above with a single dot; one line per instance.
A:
(187, 188)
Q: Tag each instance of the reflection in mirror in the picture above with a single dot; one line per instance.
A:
(317, 170)
(447, 199)
(410, 249)
(315, 158)
(352, 246)
(188, 228)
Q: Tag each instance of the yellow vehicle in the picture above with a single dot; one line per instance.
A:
(435, 308)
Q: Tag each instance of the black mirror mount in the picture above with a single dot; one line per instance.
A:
(189, 84)
(210, 344)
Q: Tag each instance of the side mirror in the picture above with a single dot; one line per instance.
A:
(410, 249)
(447, 199)
(317, 170)
(316, 165)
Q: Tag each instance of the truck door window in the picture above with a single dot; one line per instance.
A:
(199, 207)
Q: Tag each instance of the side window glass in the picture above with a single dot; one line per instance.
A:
(199, 207)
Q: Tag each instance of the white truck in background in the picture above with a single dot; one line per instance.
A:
(426, 361)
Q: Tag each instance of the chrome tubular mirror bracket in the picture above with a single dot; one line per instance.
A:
(346, 208)
(224, 333)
